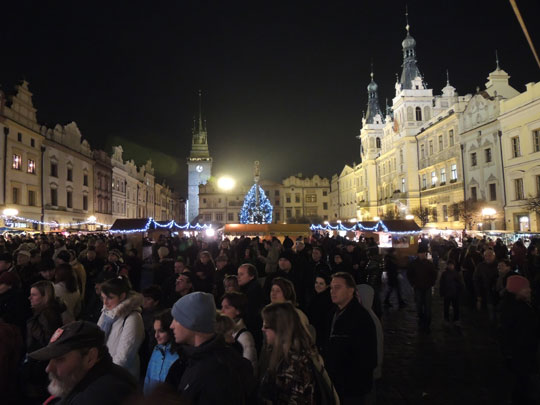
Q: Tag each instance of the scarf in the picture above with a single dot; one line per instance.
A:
(107, 324)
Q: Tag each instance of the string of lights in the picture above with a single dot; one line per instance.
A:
(169, 225)
(53, 224)
(380, 226)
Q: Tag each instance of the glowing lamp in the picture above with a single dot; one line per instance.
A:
(11, 212)
(92, 218)
(409, 217)
(226, 183)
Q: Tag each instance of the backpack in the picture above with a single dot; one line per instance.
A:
(325, 393)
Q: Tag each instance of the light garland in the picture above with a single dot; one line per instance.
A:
(53, 224)
(380, 226)
(169, 225)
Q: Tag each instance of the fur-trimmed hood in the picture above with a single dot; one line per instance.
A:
(133, 302)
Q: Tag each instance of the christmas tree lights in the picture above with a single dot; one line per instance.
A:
(257, 208)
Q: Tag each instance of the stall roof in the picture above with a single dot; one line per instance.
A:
(266, 229)
(129, 224)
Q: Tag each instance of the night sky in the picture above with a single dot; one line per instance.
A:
(284, 82)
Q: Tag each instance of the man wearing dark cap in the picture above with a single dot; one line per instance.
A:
(6, 262)
(209, 372)
(286, 269)
(422, 276)
(80, 368)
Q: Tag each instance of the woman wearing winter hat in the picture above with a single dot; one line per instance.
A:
(122, 323)
(520, 334)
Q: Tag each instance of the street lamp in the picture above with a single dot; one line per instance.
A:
(409, 217)
(488, 214)
(376, 218)
(92, 219)
(226, 183)
(10, 212)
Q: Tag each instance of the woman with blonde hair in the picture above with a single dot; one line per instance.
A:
(289, 349)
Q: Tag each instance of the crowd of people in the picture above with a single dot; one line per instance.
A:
(84, 319)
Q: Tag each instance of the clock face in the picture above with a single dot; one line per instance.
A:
(199, 168)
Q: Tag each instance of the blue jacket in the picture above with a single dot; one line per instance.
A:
(158, 367)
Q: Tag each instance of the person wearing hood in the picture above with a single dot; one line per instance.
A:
(286, 269)
(122, 323)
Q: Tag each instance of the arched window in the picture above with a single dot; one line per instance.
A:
(418, 114)
(427, 113)
(409, 113)
(378, 142)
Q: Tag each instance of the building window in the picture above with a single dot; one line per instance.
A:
(31, 166)
(440, 143)
(324, 193)
(536, 140)
(207, 217)
(324, 205)
(424, 181)
(288, 198)
(31, 198)
(69, 199)
(277, 202)
(69, 174)
(431, 147)
(289, 213)
(230, 216)
(278, 217)
(443, 175)
(453, 172)
(492, 192)
(17, 162)
(473, 159)
(219, 216)
(474, 195)
(85, 179)
(422, 152)
(418, 111)
(19, 137)
(402, 185)
(445, 213)
(455, 212)
(537, 186)
(54, 197)
(85, 202)
(32, 142)
(451, 137)
(297, 213)
(204, 200)
(487, 153)
(434, 214)
(297, 197)
(311, 198)
(54, 169)
(276, 193)
(518, 187)
(433, 179)
(516, 150)
(15, 195)
(378, 142)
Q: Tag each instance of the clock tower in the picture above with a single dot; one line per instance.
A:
(199, 165)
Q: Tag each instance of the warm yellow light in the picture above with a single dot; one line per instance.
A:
(352, 220)
(226, 183)
(326, 222)
(488, 212)
(409, 217)
(210, 232)
(339, 221)
(92, 218)
(376, 218)
(11, 212)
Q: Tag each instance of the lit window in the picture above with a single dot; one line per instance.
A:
(31, 166)
(17, 162)
(454, 172)
(536, 140)
(443, 175)
(433, 178)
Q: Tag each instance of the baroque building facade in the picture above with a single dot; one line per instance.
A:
(444, 158)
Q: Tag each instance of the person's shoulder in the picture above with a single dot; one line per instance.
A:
(114, 386)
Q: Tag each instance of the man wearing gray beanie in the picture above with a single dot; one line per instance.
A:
(208, 371)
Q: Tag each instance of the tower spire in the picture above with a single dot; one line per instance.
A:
(410, 71)
(373, 107)
(447, 78)
(497, 59)
(407, 18)
(200, 112)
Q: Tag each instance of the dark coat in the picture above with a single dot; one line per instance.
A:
(520, 334)
(351, 355)
(252, 315)
(104, 384)
(15, 309)
(212, 373)
(422, 274)
(451, 284)
(320, 314)
(485, 278)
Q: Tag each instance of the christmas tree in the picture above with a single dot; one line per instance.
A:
(257, 208)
